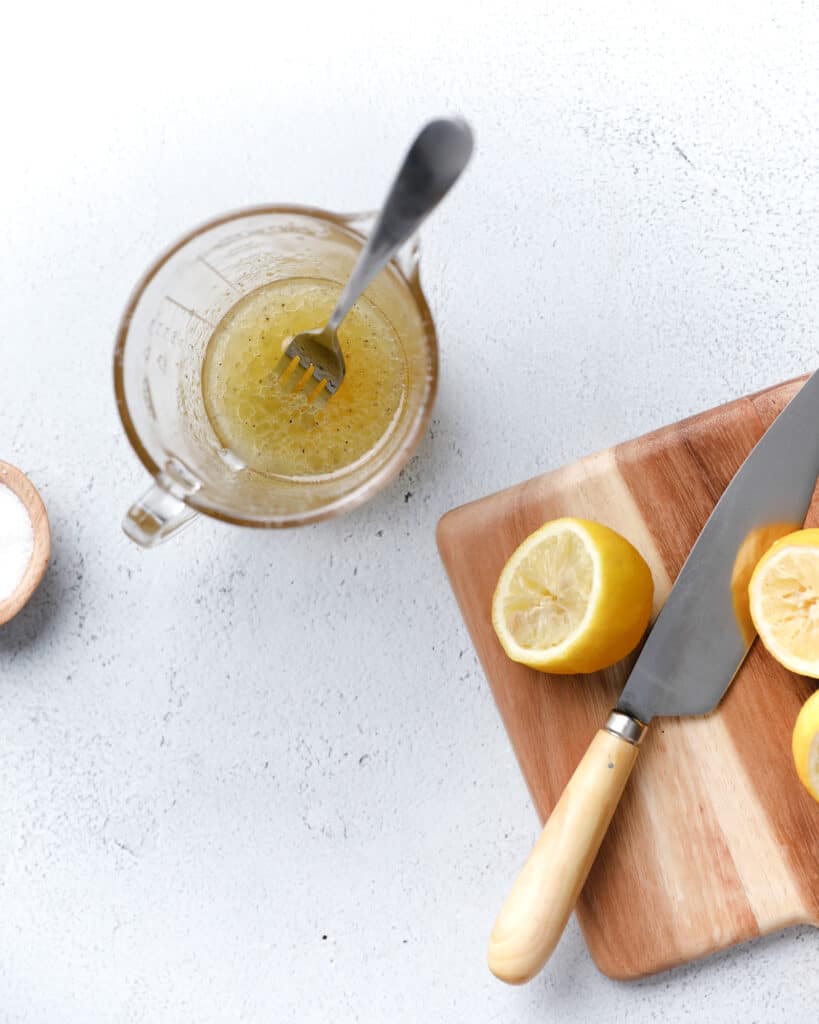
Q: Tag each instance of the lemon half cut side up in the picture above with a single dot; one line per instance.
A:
(574, 597)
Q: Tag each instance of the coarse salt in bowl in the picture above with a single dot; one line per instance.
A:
(16, 541)
(25, 541)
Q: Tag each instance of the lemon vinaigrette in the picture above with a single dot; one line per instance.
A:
(276, 431)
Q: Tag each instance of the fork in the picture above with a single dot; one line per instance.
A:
(434, 163)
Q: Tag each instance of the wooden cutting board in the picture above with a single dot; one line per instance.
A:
(715, 841)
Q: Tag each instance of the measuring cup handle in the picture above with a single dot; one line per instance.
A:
(155, 517)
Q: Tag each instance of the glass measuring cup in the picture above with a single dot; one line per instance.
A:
(161, 344)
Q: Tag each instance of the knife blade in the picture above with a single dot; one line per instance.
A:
(697, 644)
(689, 660)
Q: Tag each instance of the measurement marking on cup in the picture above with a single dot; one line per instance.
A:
(190, 312)
(218, 273)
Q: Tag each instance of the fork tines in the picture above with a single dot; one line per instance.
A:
(290, 379)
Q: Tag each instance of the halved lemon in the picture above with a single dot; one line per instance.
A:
(784, 601)
(806, 745)
(574, 597)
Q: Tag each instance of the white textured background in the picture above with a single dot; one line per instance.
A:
(206, 815)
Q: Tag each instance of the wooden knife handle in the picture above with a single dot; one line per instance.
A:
(536, 911)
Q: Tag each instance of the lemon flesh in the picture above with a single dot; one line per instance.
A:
(784, 601)
(575, 597)
(806, 745)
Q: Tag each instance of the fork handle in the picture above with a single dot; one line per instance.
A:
(433, 164)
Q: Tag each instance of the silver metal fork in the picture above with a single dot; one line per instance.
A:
(433, 164)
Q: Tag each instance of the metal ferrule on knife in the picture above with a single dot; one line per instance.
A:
(627, 728)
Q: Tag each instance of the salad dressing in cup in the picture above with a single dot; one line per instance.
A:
(215, 447)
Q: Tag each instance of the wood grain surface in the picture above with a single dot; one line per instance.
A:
(715, 840)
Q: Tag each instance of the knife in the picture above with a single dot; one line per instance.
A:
(687, 663)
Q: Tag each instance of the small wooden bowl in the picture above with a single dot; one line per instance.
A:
(25, 490)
